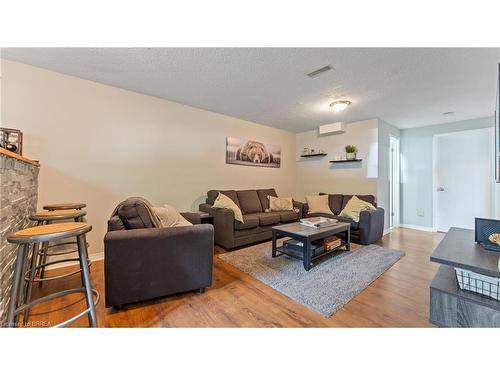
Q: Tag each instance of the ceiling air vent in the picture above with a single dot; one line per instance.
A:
(319, 71)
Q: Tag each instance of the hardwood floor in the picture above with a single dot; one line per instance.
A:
(398, 298)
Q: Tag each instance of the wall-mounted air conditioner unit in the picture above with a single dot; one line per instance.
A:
(335, 128)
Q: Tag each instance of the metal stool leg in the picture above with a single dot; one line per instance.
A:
(17, 284)
(43, 258)
(81, 220)
(82, 244)
(33, 269)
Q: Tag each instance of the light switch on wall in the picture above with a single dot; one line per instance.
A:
(420, 212)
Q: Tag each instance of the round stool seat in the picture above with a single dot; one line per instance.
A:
(50, 232)
(57, 215)
(64, 206)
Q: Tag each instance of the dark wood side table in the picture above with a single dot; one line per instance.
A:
(306, 235)
(205, 217)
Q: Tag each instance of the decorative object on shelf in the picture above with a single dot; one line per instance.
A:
(351, 152)
(308, 152)
(12, 140)
(487, 233)
(252, 153)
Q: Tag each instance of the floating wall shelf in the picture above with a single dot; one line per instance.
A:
(311, 155)
(346, 161)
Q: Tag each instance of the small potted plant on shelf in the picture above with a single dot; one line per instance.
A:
(351, 151)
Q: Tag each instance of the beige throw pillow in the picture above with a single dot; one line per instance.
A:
(318, 204)
(280, 204)
(170, 217)
(354, 207)
(223, 201)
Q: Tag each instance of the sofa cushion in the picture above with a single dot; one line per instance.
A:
(335, 202)
(213, 194)
(223, 201)
(318, 203)
(115, 223)
(249, 221)
(263, 194)
(135, 215)
(249, 201)
(354, 207)
(318, 214)
(280, 204)
(367, 198)
(268, 218)
(354, 225)
(287, 216)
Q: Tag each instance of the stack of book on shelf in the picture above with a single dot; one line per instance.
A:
(318, 222)
(332, 242)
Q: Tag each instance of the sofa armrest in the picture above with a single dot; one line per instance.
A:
(300, 207)
(371, 225)
(305, 209)
(223, 224)
(147, 263)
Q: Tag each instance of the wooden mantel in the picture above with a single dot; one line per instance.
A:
(18, 157)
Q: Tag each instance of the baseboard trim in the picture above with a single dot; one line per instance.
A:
(416, 227)
(387, 231)
(93, 258)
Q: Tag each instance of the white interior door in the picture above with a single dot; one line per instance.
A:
(463, 178)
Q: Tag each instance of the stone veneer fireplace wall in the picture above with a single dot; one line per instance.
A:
(18, 200)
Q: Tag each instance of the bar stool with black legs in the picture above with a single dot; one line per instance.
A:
(45, 233)
(41, 252)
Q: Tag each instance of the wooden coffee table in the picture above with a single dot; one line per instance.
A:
(306, 235)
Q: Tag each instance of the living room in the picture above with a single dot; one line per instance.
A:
(249, 187)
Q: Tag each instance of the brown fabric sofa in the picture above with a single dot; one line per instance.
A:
(370, 227)
(257, 225)
(142, 262)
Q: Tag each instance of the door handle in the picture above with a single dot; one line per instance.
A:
(440, 189)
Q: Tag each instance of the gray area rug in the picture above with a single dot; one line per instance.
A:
(326, 287)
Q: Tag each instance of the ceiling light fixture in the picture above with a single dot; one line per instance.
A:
(448, 113)
(340, 105)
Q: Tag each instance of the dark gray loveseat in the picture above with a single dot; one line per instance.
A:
(370, 227)
(143, 262)
(257, 225)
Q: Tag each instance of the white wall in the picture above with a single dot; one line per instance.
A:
(99, 144)
(385, 130)
(319, 175)
(416, 168)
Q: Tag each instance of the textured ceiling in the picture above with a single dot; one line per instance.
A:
(406, 87)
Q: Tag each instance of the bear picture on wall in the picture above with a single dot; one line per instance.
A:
(252, 153)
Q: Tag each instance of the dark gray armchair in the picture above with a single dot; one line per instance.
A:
(146, 263)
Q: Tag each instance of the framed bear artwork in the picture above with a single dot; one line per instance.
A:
(252, 153)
